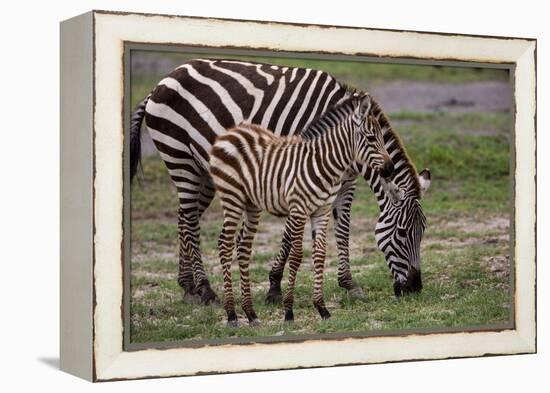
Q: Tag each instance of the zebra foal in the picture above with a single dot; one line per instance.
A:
(254, 170)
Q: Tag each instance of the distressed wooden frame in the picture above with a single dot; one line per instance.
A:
(93, 181)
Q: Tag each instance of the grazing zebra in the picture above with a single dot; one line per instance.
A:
(200, 100)
(401, 223)
(254, 170)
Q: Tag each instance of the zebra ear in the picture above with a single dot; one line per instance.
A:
(365, 105)
(362, 103)
(425, 179)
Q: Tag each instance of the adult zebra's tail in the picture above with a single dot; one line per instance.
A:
(135, 136)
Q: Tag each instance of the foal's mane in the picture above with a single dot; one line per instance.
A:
(310, 131)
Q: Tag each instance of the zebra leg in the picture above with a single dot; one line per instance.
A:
(274, 295)
(201, 278)
(295, 224)
(319, 224)
(341, 212)
(195, 192)
(185, 273)
(244, 249)
(192, 275)
(202, 284)
(226, 245)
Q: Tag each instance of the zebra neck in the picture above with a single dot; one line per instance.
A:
(333, 152)
(322, 122)
(405, 176)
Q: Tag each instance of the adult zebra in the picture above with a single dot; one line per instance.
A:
(401, 223)
(201, 99)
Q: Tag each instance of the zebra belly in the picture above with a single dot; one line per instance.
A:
(278, 207)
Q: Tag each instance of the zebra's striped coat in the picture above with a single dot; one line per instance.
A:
(254, 170)
(200, 100)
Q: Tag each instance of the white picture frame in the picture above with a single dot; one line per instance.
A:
(92, 194)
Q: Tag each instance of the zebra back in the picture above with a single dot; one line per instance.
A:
(202, 98)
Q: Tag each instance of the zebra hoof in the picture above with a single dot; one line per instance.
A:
(208, 296)
(234, 323)
(273, 296)
(191, 298)
(289, 316)
(255, 322)
(357, 294)
(323, 312)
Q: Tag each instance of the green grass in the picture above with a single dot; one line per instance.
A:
(459, 291)
(464, 252)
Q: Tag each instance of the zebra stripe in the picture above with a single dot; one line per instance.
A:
(213, 95)
(245, 164)
(400, 225)
(214, 89)
(197, 105)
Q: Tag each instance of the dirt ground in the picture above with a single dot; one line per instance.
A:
(406, 96)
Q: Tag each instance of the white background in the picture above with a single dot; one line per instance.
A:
(29, 196)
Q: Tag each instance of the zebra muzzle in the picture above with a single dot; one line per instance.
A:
(413, 284)
(414, 280)
(387, 169)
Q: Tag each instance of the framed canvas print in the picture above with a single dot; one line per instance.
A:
(246, 195)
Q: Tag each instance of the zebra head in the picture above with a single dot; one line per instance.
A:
(369, 141)
(399, 232)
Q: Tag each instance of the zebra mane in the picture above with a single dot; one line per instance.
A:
(315, 127)
(391, 134)
(312, 131)
(350, 90)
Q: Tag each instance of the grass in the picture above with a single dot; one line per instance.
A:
(459, 291)
(465, 250)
